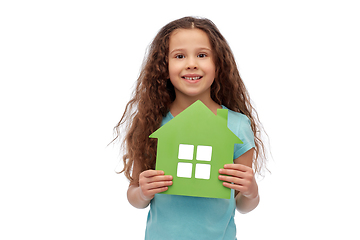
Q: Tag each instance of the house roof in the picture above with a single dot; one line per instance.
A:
(196, 120)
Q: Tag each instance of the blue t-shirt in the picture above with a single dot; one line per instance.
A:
(173, 217)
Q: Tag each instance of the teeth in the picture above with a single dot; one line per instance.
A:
(192, 78)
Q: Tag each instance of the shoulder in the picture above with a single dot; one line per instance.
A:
(237, 118)
(240, 125)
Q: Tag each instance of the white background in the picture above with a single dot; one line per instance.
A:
(67, 69)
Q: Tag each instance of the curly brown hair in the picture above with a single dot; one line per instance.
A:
(154, 94)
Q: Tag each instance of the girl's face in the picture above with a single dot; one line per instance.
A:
(191, 63)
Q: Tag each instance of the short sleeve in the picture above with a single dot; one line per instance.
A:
(240, 125)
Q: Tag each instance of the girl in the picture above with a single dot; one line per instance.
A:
(189, 60)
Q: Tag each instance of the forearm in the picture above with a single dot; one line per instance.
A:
(245, 204)
(135, 198)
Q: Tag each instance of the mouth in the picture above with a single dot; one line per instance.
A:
(192, 78)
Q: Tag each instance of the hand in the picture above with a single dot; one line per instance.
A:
(243, 178)
(152, 182)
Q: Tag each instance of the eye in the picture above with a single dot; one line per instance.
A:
(180, 56)
(202, 55)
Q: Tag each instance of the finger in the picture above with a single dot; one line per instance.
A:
(239, 167)
(156, 185)
(232, 172)
(155, 182)
(157, 190)
(160, 178)
(234, 186)
(149, 190)
(152, 173)
(229, 179)
(149, 194)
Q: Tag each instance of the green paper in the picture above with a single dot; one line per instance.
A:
(192, 148)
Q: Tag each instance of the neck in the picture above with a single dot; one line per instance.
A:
(182, 102)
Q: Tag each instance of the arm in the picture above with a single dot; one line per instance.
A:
(150, 183)
(241, 174)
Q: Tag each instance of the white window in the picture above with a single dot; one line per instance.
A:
(184, 170)
(186, 152)
(202, 171)
(203, 153)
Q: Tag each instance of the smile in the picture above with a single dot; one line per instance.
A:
(192, 78)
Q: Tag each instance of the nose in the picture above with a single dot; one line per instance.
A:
(191, 63)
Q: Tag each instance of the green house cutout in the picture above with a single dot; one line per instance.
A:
(192, 148)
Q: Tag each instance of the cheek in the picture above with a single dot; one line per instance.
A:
(209, 67)
(172, 69)
(174, 72)
(172, 76)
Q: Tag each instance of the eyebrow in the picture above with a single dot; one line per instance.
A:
(182, 49)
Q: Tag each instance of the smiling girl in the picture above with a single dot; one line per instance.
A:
(190, 60)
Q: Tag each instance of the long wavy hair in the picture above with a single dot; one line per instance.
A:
(154, 94)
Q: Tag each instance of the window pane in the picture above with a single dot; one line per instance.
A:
(186, 151)
(203, 153)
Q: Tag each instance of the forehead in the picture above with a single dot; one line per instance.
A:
(189, 38)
